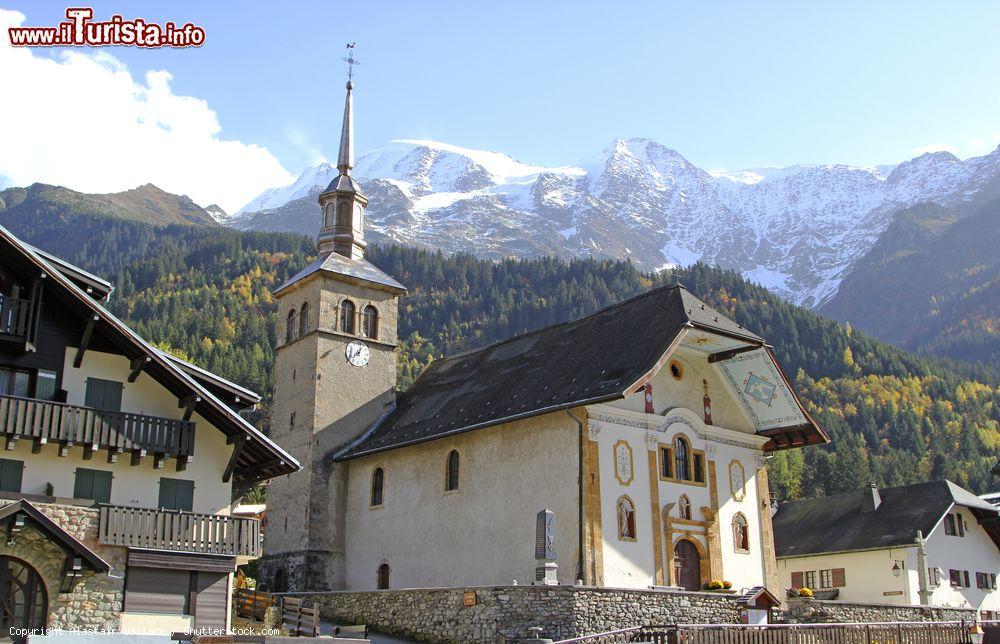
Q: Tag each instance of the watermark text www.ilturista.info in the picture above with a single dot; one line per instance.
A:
(80, 30)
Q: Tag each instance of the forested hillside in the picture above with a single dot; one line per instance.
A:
(205, 293)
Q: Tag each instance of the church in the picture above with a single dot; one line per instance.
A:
(644, 431)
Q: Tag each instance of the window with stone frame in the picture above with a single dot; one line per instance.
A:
(347, 316)
(291, 327)
(304, 319)
(378, 487)
(370, 322)
(682, 464)
(826, 578)
(810, 579)
(451, 475)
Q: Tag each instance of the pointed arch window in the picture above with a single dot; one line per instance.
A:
(347, 316)
(741, 533)
(684, 507)
(383, 576)
(451, 478)
(626, 519)
(304, 319)
(370, 327)
(378, 487)
(292, 326)
(682, 462)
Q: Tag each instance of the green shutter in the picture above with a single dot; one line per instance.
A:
(176, 494)
(10, 475)
(45, 384)
(92, 484)
(104, 394)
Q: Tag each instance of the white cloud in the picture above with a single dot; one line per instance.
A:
(82, 121)
(935, 147)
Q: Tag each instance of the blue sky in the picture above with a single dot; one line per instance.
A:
(729, 85)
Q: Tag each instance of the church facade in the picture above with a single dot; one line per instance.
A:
(643, 428)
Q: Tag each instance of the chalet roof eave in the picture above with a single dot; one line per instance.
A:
(98, 283)
(238, 422)
(247, 394)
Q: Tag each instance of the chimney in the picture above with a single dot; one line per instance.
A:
(871, 499)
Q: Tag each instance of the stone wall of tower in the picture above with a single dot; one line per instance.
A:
(334, 402)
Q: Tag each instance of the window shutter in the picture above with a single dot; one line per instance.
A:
(10, 475)
(155, 590)
(212, 590)
(796, 580)
(839, 578)
(92, 484)
(103, 394)
(176, 494)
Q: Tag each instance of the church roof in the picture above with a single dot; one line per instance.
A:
(847, 522)
(338, 264)
(594, 359)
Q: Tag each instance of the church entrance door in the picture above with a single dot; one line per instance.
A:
(22, 599)
(687, 565)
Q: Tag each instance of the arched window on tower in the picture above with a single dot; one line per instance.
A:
(684, 507)
(347, 316)
(682, 464)
(378, 487)
(304, 319)
(292, 327)
(371, 322)
(383, 576)
(626, 519)
(741, 533)
(451, 478)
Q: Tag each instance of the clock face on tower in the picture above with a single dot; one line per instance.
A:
(357, 353)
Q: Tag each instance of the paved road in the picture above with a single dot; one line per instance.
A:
(326, 628)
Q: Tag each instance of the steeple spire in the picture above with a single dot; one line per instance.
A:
(342, 203)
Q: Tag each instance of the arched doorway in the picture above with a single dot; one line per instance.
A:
(687, 565)
(23, 601)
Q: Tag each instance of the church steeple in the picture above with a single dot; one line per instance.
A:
(342, 203)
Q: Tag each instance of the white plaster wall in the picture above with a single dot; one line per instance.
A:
(482, 534)
(132, 486)
(974, 552)
(867, 574)
(745, 570)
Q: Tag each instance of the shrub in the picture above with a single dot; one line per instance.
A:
(805, 592)
(727, 585)
(715, 584)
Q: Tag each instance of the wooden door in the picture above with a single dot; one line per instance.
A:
(687, 565)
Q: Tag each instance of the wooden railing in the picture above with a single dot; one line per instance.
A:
(180, 531)
(14, 315)
(880, 633)
(48, 421)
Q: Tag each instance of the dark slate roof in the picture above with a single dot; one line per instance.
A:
(344, 183)
(839, 523)
(336, 263)
(593, 359)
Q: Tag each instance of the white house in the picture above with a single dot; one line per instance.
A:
(929, 543)
(119, 464)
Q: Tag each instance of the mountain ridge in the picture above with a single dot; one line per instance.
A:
(797, 230)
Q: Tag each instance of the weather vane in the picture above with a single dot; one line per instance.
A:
(351, 60)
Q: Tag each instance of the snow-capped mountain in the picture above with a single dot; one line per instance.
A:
(796, 230)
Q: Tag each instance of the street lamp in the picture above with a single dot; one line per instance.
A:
(897, 570)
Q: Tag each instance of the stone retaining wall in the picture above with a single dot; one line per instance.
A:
(502, 612)
(807, 611)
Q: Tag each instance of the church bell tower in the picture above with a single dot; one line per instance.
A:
(334, 376)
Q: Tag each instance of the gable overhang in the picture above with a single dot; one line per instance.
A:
(257, 457)
(20, 513)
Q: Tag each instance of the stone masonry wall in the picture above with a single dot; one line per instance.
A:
(96, 601)
(806, 611)
(502, 612)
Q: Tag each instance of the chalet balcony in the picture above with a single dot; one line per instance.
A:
(179, 531)
(15, 315)
(44, 421)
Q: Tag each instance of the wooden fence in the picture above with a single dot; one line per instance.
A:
(299, 618)
(874, 633)
(251, 603)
